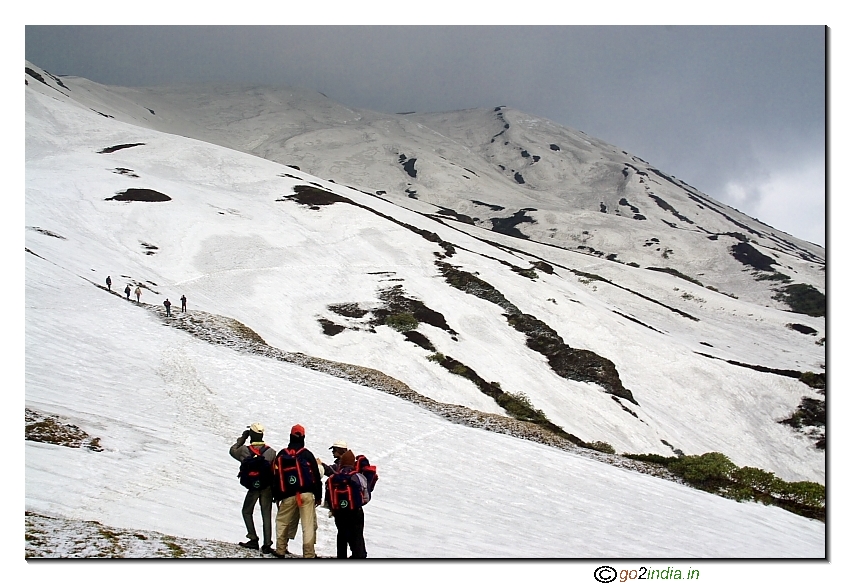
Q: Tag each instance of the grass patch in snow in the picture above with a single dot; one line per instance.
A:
(803, 298)
(45, 428)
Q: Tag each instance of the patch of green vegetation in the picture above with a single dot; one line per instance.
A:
(803, 298)
(176, 550)
(716, 473)
(816, 380)
(529, 273)
(652, 458)
(602, 446)
(775, 276)
(402, 322)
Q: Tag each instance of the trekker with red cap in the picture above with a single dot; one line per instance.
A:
(297, 488)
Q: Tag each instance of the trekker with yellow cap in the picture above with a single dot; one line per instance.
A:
(255, 473)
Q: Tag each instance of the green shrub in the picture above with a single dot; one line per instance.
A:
(706, 471)
(602, 446)
(403, 322)
(803, 298)
(755, 478)
(809, 494)
(653, 458)
(437, 357)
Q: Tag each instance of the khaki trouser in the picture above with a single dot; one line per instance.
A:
(288, 514)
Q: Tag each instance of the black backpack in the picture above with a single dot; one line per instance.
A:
(293, 472)
(347, 490)
(255, 471)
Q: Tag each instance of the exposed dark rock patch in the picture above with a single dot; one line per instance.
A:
(518, 177)
(395, 302)
(149, 249)
(493, 207)
(667, 207)
(111, 149)
(408, 165)
(639, 217)
(46, 232)
(554, 147)
(419, 339)
(602, 207)
(150, 110)
(460, 217)
(507, 226)
(706, 344)
(749, 255)
(676, 273)
(810, 417)
(567, 362)
(535, 159)
(410, 193)
(802, 328)
(35, 75)
(314, 197)
(126, 172)
(103, 114)
(140, 195)
(349, 310)
(544, 267)
(330, 328)
(636, 321)
(626, 409)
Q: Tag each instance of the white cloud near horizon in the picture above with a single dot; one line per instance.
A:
(791, 198)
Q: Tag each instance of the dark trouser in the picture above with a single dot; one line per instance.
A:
(349, 533)
(265, 498)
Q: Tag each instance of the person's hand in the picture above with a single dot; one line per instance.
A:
(245, 434)
(319, 460)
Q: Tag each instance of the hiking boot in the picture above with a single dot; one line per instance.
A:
(251, 544)
(267, 550)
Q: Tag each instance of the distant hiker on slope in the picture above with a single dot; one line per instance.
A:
(183, 303)
(255, 473)
(347, 493)
(297, 488)
(108, 283)
(167, 305)
(127, 291)
(138, 293)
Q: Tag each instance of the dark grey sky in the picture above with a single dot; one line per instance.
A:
(736, 111)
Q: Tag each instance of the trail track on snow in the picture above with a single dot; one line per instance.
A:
(221, 330)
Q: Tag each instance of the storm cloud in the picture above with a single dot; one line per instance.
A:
(738, 112)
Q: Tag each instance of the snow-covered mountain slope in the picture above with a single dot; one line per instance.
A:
(637, 358)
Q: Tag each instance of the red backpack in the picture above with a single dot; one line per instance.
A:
(370, 472)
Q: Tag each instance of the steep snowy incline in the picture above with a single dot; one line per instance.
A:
(236, 241)
(166, 406)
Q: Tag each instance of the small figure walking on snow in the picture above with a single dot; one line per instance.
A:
(138, 293)
(109, 283)
(167, 305)
(183, 303)
(127, 291)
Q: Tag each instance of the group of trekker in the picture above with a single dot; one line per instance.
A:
(292, 480)
(138, 293)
